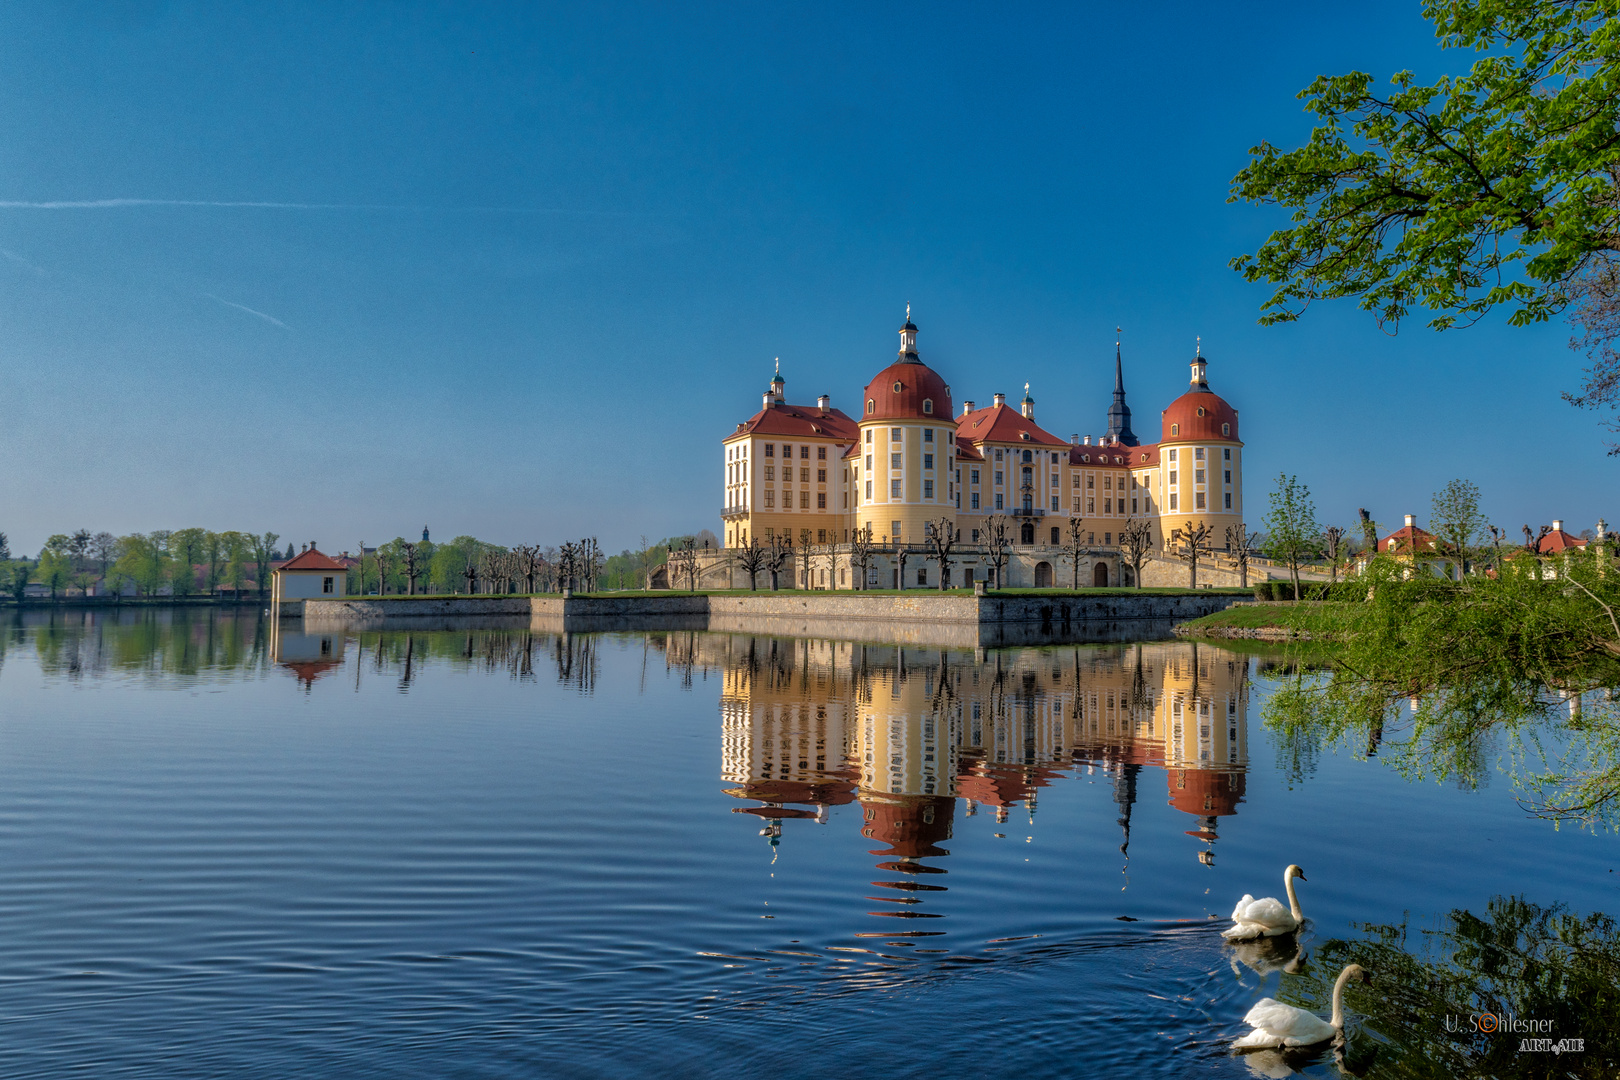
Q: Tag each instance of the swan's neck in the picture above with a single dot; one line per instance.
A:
(1338, 999)
(1293, 901)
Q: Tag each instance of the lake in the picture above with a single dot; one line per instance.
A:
(233, 848)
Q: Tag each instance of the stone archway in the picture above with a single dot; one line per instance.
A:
(1099, 575)
(1043, 575)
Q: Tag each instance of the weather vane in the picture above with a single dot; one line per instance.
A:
(779, 365)
(1200, 349)
(908, 311)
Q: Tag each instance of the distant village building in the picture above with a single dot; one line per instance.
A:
(815, 475)
(308, 576)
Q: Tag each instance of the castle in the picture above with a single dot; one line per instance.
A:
(910, 461)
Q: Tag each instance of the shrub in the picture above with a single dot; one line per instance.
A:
(1262, 590)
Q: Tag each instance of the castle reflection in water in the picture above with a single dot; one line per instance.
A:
(911, 733)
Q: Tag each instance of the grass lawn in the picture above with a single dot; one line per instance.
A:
(1260, 616)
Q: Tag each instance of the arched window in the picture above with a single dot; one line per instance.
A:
(871, 406)
(1200, 410)
(1175, 429)
(898, 387)
(1026, 456)
(928, 405)
(1226, 429)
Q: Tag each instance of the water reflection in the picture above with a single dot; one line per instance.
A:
(910, 734)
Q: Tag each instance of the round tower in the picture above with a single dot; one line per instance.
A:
(906, 469)
(1200, 461)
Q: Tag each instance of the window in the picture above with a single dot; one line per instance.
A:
(1054, 457)
(975, 540)
(1091, 506)
(894, 489)
(1108, 538)
(894, 530)
(1054, 534)
(928, 434)
(998, 455)
(1054, 479)
(974, 475)
(1198, 453)
(1227, 453)
(1200, 500)
(1076, 479)
(1228, 476)
(1133, 506)
(770, 449)
(998, 477)
(974, 501)
(928, 461)
(804, 500)
(821, 453)
(1027, 456)
(1226, 429)
(868, 431)
(922, 575)
(894, 434)
(821, 476)
(898, 386)
(1108, 506)
(1200, 410)
(1172, 478)
(871, 407)
(1229, 500)
(770, 498)
(804, 476)
(1091, 481)
(1172, 500)
(928, 406)
(998, 500)
(869, 491)
(1198, 476)
(1091, 538)
(1054, 502)
(1172, 455)
(894, 461)
(821, 536)
(869, 459)
(328, 585)
(770, 472)
(928, 489)
(1175, 429)
(821, 500)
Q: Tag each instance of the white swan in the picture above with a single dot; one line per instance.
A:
(1267, 918)
(1276, 1024)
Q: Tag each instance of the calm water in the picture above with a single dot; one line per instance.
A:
(490, 852)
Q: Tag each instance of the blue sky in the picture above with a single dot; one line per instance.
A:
(337, 271)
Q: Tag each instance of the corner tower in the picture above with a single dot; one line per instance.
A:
(904, 473)
(1200, 460)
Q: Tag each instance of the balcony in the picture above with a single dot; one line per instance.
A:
(730, 512)
(1028, 512)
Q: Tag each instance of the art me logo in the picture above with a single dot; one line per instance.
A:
(1507, 1023)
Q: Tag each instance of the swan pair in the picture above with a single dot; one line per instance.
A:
(1276, 1024)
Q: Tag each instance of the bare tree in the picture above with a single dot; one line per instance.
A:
(752, 560)
(829, 552)
(1076, 549)
(781, 554)
(1333, 548)
(1532, 543)
(529, 562)
(1241, 541)
(382, 572)
(413, 566)
(590, 562)
(567, 566)
(1369, 530)
(860, 555)
(997, 542)
(683, 562)
(941, 537)
(1136, 543)
(469, 570)
(1191, 542)
(900, 557)
(806, 552)
(491, 570)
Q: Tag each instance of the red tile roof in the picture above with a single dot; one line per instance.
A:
(907, 390)
(1406, 538)
(799, 421)
(1114, 455)
(1558, 540)
(1183, 414)
(966, 452)
(311, 560)
(1002, 424)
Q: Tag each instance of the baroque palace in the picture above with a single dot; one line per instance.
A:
(815, 475)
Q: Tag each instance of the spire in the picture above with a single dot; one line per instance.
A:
(908, 341)
(1027, 406)
(1119, 414)
(775, 394)
(1200, 366)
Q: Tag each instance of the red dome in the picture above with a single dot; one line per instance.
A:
(922, 394)
(1205, 792)
(1198, 415)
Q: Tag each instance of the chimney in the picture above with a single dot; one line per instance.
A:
(1558, 524)
(1000, 399)
(1075, 439)
(1085, 441)
(967, 407)
(823, 402)
(770, 399)
(1411, 521)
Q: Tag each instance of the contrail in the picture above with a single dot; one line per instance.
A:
(243, 307)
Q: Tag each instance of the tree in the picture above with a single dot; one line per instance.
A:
(1076, 549)
(1369, 531)
(683, 562)
(1136, 542)
(1492, 189)
(781, 554)
(901, 554)
(103, 549)
(860, 554)
(236, 549)
(1455, 518)
(997, 542)
(469, 571)
(1241, 541)
(264, 552)
(141, 560)
(186, 547)
(5, 548)
(1333, 548)
(1292, 533)
(411, 560)
(752, 560)
(941, 536)
(55, 568)
(17, 581)
(1191, 542)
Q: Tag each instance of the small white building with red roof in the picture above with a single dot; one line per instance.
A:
(309, 575)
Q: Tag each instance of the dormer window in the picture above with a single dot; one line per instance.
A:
(1226, 429)
(898, 386)
(1175, 429)
(928, 405)
(1200, 410)
(1024, 435)
(871, 406)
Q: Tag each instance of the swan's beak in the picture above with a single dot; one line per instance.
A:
(1301, 876)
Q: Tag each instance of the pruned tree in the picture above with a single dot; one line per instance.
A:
(1532, 541)
(941, 537)
(567, 566)
(829, 554)
(901, 554)
(1292, 533)
(806, 552)
(529, 563)
(997, 544)
(860, 554)
(1136, 544)
(1333, 549)
(1369, 531)
(1240, 541)
(1075, 549)
(590, 562)
(382, 572)
(781, 554)
(752, 559)
(411, 563)
(683, 562)
(469, 571)
(1191, 542)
